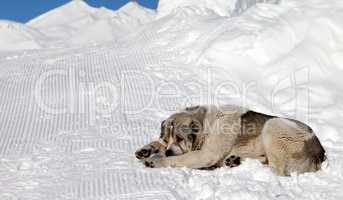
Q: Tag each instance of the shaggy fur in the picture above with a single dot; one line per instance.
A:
(207, 137)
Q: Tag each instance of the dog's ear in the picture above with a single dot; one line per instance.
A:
(200, 114)
(163, 129)
(193, 108)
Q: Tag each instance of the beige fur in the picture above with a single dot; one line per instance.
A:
(208, 137)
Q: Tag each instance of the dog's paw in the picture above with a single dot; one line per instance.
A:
(149, 163)
(233, 161)
(142, 153)
(154, 163)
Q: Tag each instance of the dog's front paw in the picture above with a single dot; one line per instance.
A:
(233, 161)
(149, 163)
(154, 163)
(144, 152)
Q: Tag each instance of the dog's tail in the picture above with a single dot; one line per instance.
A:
(316, 151)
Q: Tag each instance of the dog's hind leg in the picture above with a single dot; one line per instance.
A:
(291, 147)
(236, 160)
(232, 161)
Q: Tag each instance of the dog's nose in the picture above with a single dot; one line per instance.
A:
(169, 153)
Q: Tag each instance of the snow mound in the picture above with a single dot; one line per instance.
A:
(14, 36)
(67, 14)
(220, 7)
(132, 14)
(78, 24)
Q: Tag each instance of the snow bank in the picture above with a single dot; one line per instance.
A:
(132, 14)
(72, 117)
(14, 36)
(74, 24)
(220, 7)
(66, 14)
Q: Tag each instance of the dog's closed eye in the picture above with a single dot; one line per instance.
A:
(191, 137)
(179, 138)
(195, 127)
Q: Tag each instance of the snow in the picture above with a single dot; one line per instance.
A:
(82, 88)
(70, 12)
(75, 24)
(15, 36)
(219, 7)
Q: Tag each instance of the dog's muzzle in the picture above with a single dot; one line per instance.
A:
(174, 150)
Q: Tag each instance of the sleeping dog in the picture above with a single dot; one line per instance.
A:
(207, 137)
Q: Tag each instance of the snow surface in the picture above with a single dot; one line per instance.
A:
(82, 88)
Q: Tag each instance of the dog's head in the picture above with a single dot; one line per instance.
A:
(183, 132)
